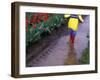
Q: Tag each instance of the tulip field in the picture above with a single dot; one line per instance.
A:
(38, 23)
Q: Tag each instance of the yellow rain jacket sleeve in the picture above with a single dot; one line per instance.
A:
(67, 15)
(81, 19)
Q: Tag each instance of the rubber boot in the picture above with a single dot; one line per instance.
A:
(71, 40)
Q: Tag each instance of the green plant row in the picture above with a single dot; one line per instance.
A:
(34, 34)
(85, 57)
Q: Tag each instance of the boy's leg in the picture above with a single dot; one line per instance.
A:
(73, 36)
(70, 35)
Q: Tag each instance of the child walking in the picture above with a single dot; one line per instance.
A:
(73, 26)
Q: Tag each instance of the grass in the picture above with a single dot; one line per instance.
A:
(85, 57)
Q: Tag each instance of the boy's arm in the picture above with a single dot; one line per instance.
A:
(81, 19)
(66, 15)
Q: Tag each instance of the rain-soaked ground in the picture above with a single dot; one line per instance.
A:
(55, 49)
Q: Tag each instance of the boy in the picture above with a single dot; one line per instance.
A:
(73, 25)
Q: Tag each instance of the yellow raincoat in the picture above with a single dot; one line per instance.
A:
(73, 22)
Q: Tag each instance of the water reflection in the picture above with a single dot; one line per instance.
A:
(72, 56)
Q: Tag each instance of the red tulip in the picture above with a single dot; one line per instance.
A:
(32, 21)
(45, 18)
(34, 26)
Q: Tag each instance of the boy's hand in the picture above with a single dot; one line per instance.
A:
(81, 19)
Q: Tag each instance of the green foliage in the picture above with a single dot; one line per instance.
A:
(34, 30)
(85, 57)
